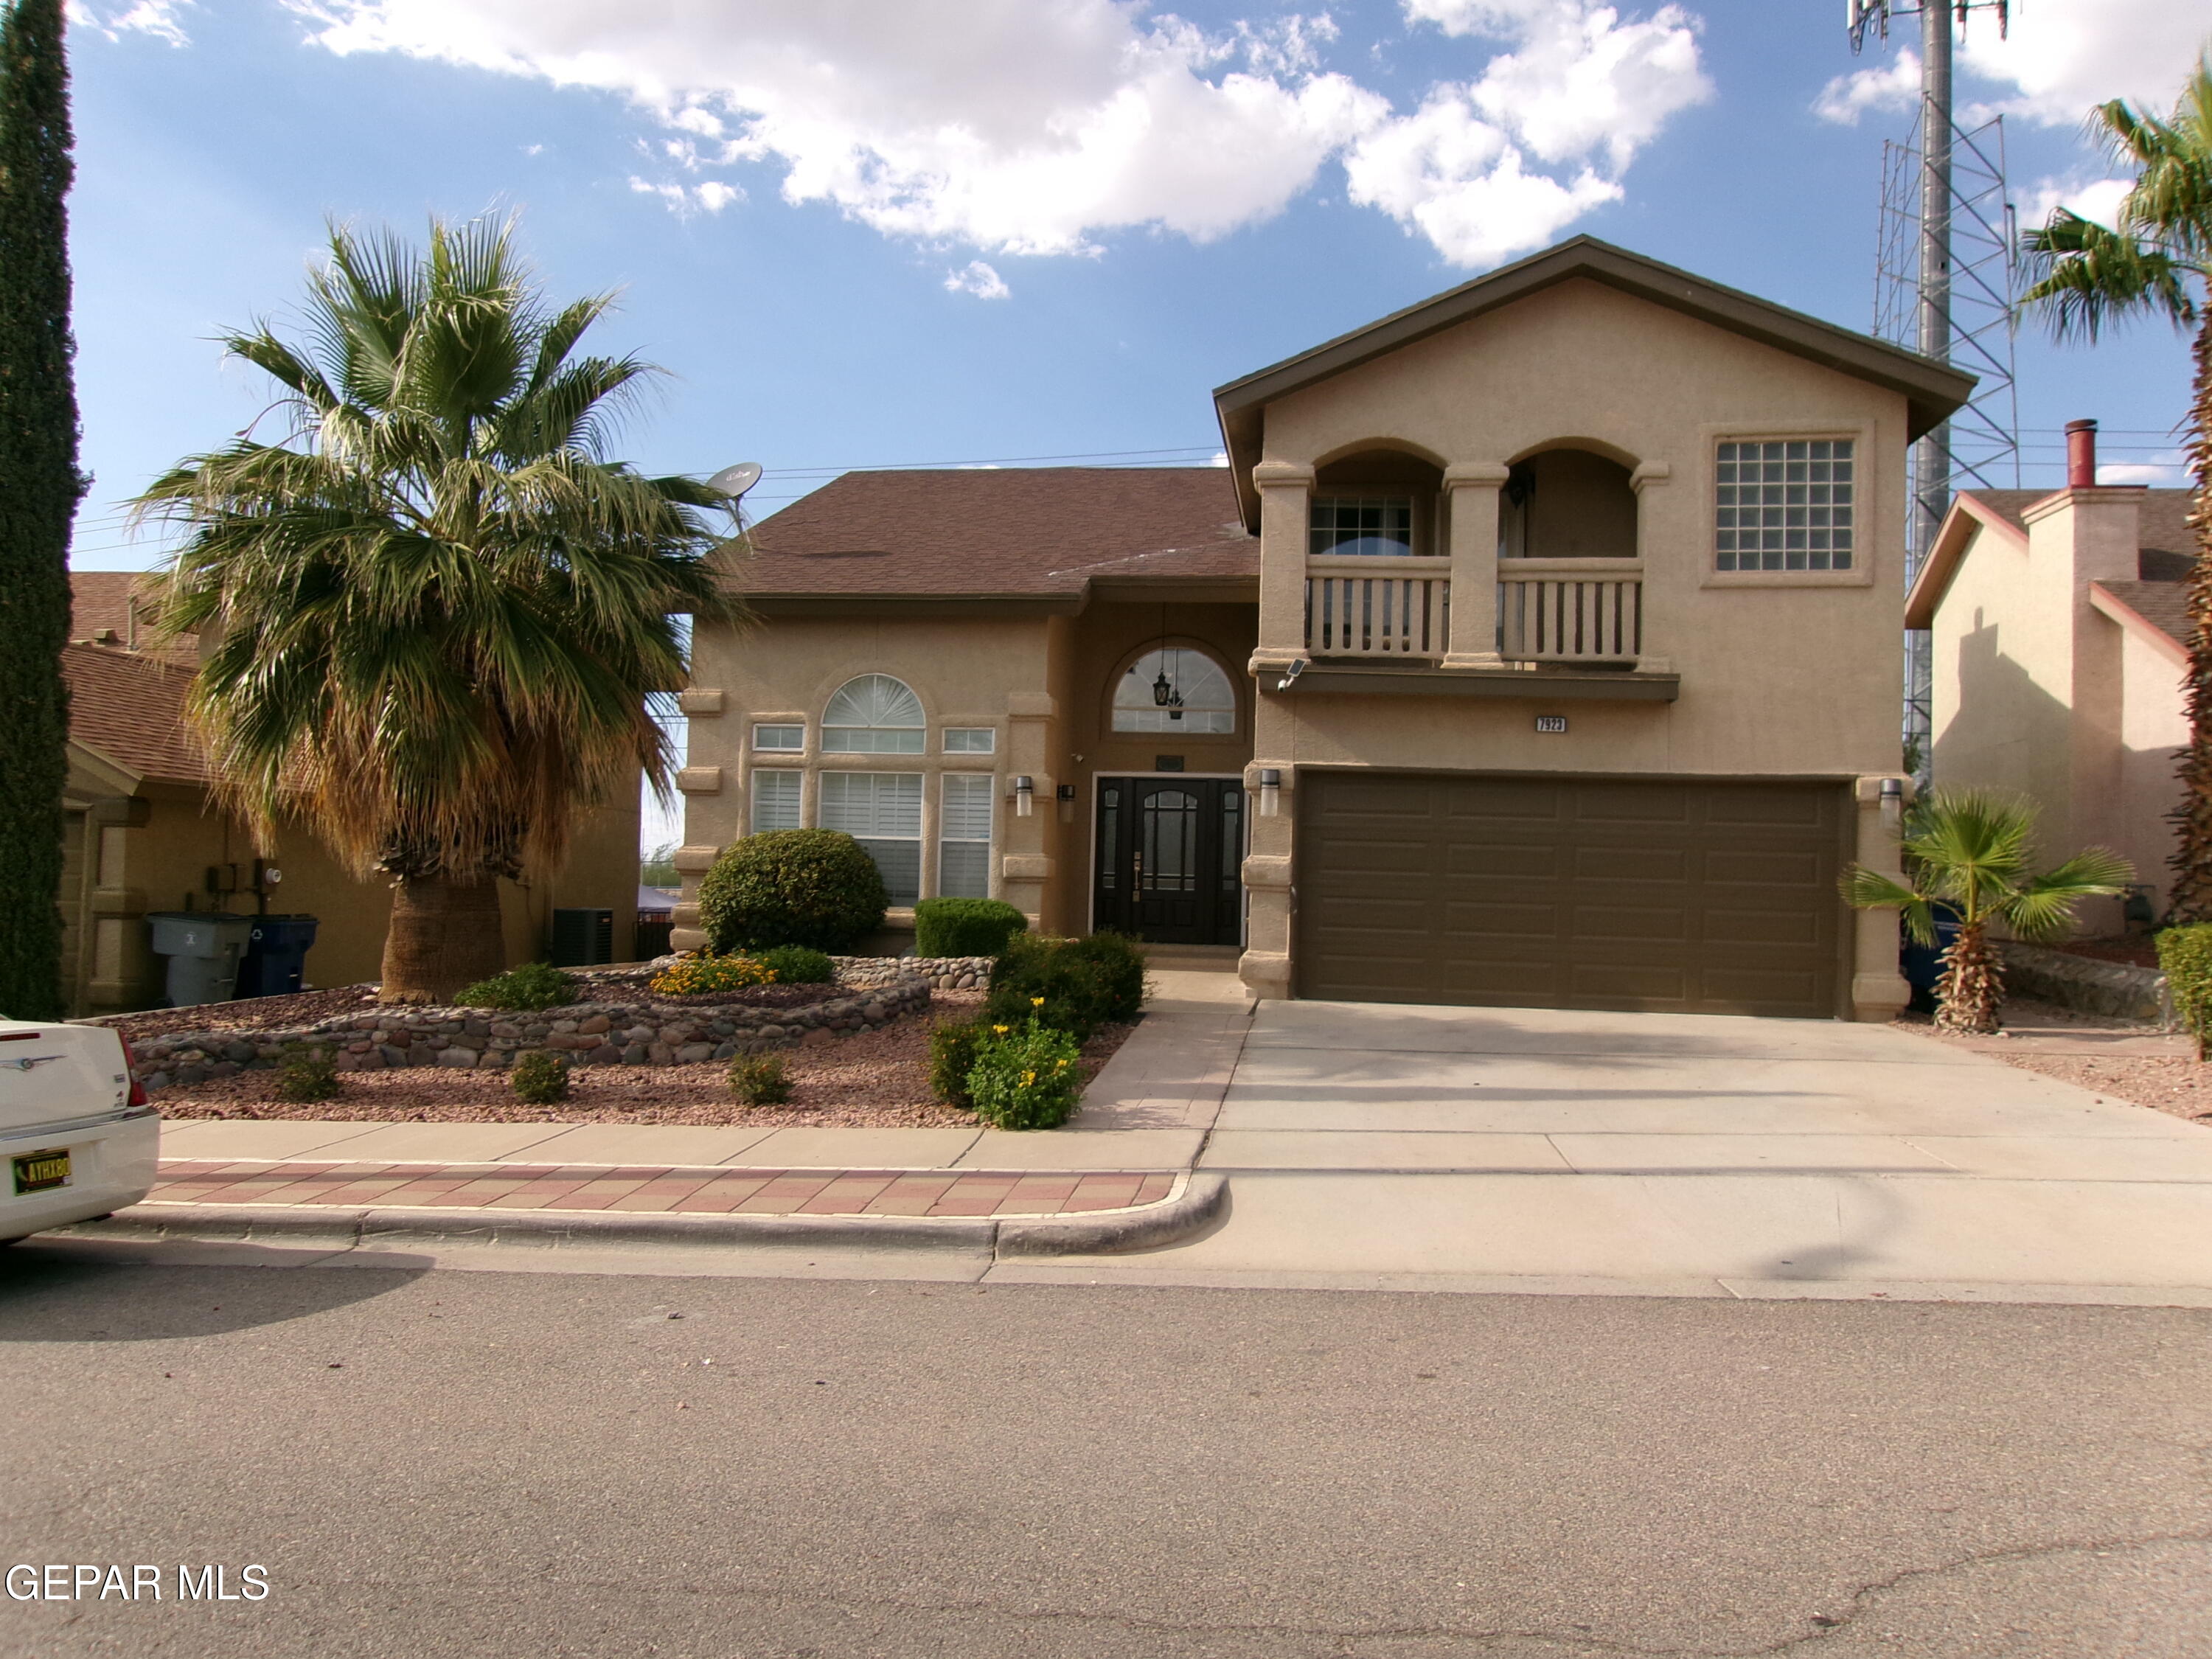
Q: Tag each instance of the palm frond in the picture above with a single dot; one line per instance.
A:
(2087, 277)
(1870, 889)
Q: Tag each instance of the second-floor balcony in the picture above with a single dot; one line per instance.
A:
(1569, 611)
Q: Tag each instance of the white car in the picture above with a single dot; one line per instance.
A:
(78, 1139)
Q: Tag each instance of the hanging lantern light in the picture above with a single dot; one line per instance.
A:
(1162, 690)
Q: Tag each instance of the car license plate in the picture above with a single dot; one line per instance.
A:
(39, 1172)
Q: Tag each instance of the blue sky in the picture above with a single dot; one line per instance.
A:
(873, 232)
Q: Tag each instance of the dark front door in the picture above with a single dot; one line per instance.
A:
(1168, 855)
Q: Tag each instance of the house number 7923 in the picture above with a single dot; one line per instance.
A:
(1551, 722)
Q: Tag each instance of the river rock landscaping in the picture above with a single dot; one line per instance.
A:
(617, 1021)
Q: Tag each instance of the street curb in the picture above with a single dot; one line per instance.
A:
(1195, 1205)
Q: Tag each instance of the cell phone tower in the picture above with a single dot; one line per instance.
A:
(1944, 285)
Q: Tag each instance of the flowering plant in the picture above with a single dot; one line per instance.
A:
(702, 972)
(1025, 1076)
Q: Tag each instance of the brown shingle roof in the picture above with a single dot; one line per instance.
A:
(131, 708)
(119, 602)
(1039, 531)
(2163, 604)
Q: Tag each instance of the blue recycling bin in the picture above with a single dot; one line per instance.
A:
(276, 959)
(1923, 964)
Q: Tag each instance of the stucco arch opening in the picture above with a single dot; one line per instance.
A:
(1566, 500)
(1376, 499)
(1201, 692)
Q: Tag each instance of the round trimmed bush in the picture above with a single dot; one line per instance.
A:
(965, 927)
(817, 888)
(795, 964)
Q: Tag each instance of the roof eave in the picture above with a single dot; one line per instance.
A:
(1953, 536)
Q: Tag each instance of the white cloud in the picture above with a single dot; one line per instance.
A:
(155, 17)
(2056, 60)
(1580, 87)
(2130, 473)
(1038, 126)
(978, 279)
(2091, 197)
(1888, 87)
(711, 196)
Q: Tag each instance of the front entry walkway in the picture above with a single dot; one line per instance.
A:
(1392, 1145)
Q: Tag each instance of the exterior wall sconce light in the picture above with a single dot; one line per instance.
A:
(1893, 805)
(1024, 796)
(1066, 795)
(1271, 791)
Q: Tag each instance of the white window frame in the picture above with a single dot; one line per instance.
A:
(797, 730)
(981, 790)
(834, 809)
(963, 739)
(769, 789)
(876, 735)
(1148, 719)
(1804, 488)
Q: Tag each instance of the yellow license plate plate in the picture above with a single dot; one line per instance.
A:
(39, 1172)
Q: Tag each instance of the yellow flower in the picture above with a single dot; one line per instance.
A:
(1027, 1079)
(1036, 1002)
(1002, 1030)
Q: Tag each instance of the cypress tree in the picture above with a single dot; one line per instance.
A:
(39, 486)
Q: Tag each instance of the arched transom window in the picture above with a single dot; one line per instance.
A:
(874, 714)
(1175, 689)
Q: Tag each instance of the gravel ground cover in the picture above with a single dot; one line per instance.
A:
(874, 1079)
(2175, 1084)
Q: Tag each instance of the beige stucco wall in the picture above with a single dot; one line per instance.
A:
(153, 855)
(1043, 682)
(1791, 674)
(2037, 692)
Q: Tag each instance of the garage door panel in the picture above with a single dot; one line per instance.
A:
(1701, 897)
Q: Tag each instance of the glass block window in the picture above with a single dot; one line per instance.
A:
(963, 832)
(970, 740)
(1783, 505)
(1380, 525)
(775, 799)
(882, 810)
(1174, 691)
(874, 714)
(780, 740)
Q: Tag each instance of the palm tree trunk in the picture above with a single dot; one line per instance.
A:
(1966, 996)
(444, 934)
(2191, 899)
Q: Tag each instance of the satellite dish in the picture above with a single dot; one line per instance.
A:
(734, 480)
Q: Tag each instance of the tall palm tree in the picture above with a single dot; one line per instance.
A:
(2156, 262)
(1969, 851)
(436, 608)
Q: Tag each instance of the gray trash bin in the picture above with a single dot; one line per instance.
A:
(203, 948)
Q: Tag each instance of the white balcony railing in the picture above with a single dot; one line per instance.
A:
(1377, 607)
(1570, 610)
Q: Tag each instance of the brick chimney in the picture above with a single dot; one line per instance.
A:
(2080, 454)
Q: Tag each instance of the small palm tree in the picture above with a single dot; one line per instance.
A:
(2156, 262)
(1969, 851)
(436, 609)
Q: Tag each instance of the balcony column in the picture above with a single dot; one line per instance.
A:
(1285, 495)
(1471, 497)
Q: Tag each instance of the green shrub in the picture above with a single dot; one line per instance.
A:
(1025, 1077)
(307, 1074)
(965, 927)
(533, 986)
(2185, 956)
(951, 1057)
(795, 964)
(761, 1080)
(540, 1076)
(1085, 983)
(699, 974)
(814, 887)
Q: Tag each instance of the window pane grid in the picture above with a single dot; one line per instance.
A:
(1369, 524)
(963, 852)
(783, 739)
(882, 810)
(775, 800)
(970, 740)
(1783, 505)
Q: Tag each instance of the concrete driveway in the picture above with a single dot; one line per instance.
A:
(1386, 1144)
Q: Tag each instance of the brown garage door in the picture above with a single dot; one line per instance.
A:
(1692, 898)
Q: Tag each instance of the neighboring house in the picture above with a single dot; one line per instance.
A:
(1538, 645)
(2059, 621)
(143, 833)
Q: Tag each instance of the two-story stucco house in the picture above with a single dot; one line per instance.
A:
(2060, 621)
(1538, 646)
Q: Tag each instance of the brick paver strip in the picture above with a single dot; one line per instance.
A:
(653, 1189)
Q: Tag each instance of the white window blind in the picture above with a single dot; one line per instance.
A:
(963, 852)
(882, 810)
(775, 799)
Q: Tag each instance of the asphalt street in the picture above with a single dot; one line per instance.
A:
(474, 1464)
